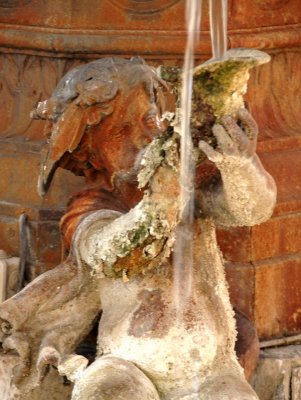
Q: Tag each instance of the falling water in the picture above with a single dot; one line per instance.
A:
(183, 251)
(184, 235)
(218, 27)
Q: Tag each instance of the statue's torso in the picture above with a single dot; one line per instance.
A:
(142, 324)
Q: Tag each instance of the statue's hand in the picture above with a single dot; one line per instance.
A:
(233, 141)
(246, 193)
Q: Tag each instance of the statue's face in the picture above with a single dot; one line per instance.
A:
(129, 129)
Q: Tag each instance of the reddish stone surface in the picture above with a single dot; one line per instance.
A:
(247, 344)
(235, 244)
(146, 26)
(9, 235)
(278, 296)
(20, 168)
(285, 166)
(241, 279)
(277, 237)
(48, 245)
(272, 96)
(18, 188)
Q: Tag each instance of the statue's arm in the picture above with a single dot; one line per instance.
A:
(133, 241)
(245, 194)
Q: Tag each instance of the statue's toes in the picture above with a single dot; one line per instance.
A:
(111, 378)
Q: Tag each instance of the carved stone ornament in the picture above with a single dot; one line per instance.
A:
(271, 4)
(13, 3)
(144, 6)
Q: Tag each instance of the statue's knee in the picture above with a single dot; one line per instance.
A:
(113, 378)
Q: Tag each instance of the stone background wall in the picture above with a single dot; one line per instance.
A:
(41, 40)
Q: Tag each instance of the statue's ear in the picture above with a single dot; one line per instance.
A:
(97, 113)
(66, 135)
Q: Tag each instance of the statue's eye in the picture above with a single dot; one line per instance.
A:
(151, 120)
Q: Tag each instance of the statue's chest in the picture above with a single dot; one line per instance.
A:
(149, 332)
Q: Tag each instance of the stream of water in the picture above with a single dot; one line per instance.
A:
(218, 27)
(183, 257)
(183, 250)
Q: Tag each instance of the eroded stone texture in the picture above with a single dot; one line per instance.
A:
(120, 260)
(296, 383)
(277, 313)
(54, 387)
(278, 373)
(34, 59)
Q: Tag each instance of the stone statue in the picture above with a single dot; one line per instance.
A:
(116, 122)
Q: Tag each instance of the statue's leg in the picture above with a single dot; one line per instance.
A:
(111, 378)
(227, 387)
(227, 382)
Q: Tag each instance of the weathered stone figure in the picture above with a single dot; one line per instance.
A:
(114, 122)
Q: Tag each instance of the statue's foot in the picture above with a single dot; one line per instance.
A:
(111, 378)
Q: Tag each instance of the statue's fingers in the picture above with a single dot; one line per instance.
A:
(225, 142)
(42, 370)
(211, 154)
(248, 124)
(48, 356)
(235, 132)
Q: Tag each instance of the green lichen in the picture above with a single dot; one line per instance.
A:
(171, 74)
(221, 85)
(138, 235)
(152, 158)
(161, 151)
(216, 80)
(140, 228)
